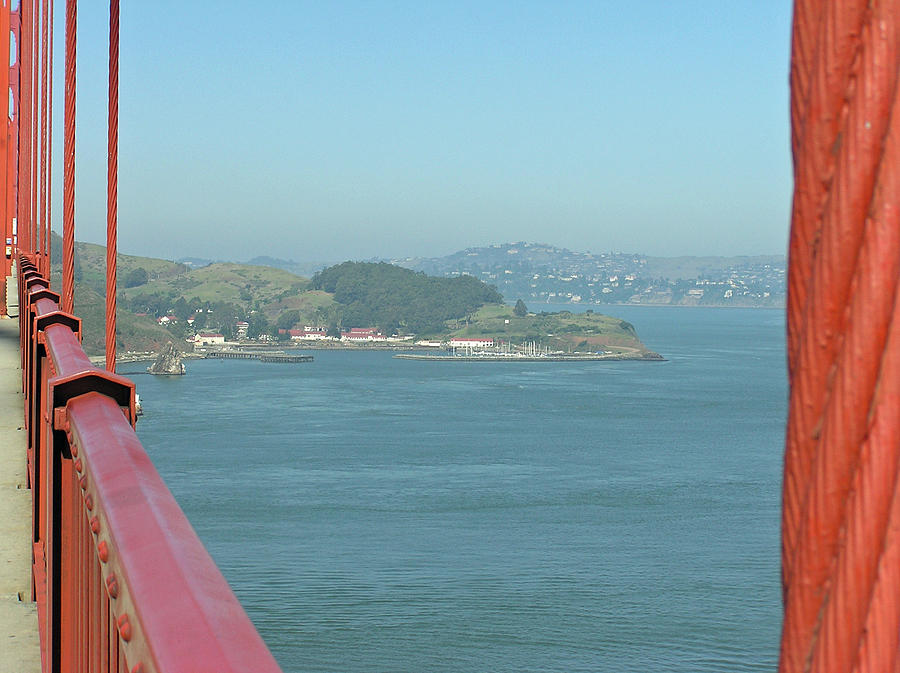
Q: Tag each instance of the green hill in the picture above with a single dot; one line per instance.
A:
(133, 332)
(559, 331)
(399, 300)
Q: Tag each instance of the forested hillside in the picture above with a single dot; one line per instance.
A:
(394, 299)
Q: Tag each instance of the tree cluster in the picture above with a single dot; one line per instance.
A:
(396, 299)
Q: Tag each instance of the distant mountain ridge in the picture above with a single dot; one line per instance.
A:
(542, 272)
(267, 295)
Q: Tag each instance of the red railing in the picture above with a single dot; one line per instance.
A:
(121, 580)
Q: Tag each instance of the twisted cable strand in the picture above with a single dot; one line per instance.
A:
(841, 520)
(813, 307)
(23, 198)
(68, 279)
(44, 236)
(112, 185)
(49, 220)
(34, 182)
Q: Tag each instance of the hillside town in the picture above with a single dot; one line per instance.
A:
(547, 274)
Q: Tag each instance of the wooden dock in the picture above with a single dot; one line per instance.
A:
(262, 356)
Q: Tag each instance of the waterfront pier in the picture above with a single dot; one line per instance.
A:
(262, 356)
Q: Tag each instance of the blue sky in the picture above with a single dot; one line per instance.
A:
(351, 130)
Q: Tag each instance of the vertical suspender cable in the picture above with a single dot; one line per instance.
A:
(23, 199)
(49, 133)
(68, 278)
(12, 136)
(5, 175)
(44, 240)
(35, 125)
(112, 185)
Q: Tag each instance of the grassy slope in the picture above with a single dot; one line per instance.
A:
(224, 282)
(559, 331)
(275, 290)
(92, 260)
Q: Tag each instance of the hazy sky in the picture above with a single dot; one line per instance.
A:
(336, 130)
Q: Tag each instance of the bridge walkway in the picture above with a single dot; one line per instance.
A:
(19, 641)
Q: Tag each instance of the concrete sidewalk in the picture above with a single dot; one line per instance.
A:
(19, 642)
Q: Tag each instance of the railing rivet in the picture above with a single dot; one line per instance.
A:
(79, 466)
(83, 482)
(112, 585)
(95, 525)
(88, 501)
(103, 551)
(73, 447)
(124, 627)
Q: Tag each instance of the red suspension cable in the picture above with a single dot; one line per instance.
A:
(49, 219)
(841, 518)
(68, 279)
(44, 239)
(6, 144)
(35, 125)
(23, 200)
(112, 185)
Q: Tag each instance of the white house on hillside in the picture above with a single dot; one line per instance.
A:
(208, 338)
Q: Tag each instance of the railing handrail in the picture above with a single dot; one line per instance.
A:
(120, 574)
(181, 612)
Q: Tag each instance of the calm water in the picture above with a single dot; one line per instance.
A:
(375, 514)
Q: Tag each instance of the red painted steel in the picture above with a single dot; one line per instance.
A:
(12, 137)
(23, 217)
(34, 187)
(68, 260)
(49, 220)
(841, 519)
(121, 579)
(5, 172)
(112, 184)
(44, 232)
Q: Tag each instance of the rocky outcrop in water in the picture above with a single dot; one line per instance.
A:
(168, 363)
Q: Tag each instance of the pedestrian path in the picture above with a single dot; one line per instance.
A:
(19, 642)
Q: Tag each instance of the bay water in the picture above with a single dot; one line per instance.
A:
(375, 514)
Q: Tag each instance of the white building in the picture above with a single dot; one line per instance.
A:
(308, 334)
(479, 342)
(208, 339)
(358, 334)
